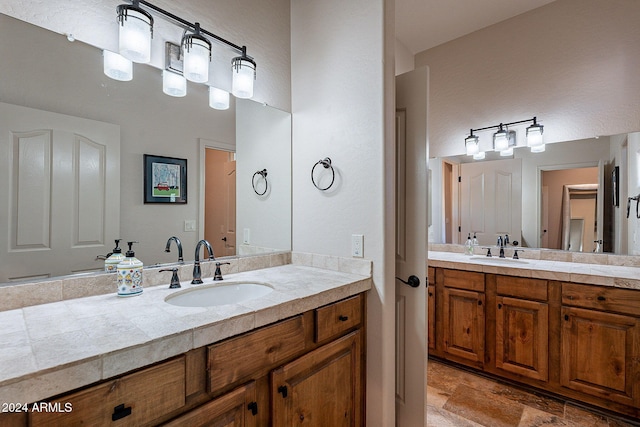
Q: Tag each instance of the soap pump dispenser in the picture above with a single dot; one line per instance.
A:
(130, 274)
(468, 246)
(111, 263)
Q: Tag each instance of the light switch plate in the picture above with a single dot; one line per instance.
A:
(357, 245)
(246, 236)
(189, 225)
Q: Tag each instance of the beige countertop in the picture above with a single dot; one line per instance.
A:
(52, 348)
(595, 274)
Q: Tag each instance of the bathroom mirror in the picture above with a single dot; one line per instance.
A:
(580, 168)
(42, 70)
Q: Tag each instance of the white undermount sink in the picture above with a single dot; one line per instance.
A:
(497, 260)
(219, 294)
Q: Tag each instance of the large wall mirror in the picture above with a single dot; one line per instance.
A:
(45, 73)
(571, 197)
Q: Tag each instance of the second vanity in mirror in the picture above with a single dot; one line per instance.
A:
(560, 199)
(60, 225)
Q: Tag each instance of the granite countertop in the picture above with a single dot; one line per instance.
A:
(52, 348)
(595, 274)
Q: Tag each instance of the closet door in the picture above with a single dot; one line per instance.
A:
(59, 182)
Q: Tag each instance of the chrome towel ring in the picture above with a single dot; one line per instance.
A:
(326, 163)
(263, 174)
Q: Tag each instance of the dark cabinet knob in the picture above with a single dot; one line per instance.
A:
(343, 318)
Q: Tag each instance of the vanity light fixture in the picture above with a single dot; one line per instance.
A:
(194, 53)
(534, 134)
(504, 140)
(117, 66)
(218, 98)
(244, 73)
(135, 33)
(501, 139)
(197, 55)
(479, 156)
(174, 84)
(472, 144)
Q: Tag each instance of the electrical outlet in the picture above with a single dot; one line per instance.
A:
(357, 245)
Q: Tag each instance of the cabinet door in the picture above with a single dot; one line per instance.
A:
(600, 354)
(522, 337)
(463, 324)
(237, 408)
(321, 388)
(431, 316)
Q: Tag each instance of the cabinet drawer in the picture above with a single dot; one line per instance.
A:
(520, 287)
(468, 280)
(145, 395)
(603, 298)
(334, 319)
(254, 352)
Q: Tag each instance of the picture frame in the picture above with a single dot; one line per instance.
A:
(165, 179)
(615, 186)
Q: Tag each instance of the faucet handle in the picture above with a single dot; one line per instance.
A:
(175, 281)
(218, 274)
(488, 252)
(515, 253)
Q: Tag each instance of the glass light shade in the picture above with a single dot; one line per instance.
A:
(538, 148)
(534, 135)
(197, 55)
(117, 66)
(507, 152)
(244, 73)
(479, 156)
(501, 140)
(218, 98)
(136, 31)
(472, 145)
(173, 84)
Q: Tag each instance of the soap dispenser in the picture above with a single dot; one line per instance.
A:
(475, 240)
(111, 263)
(130, 274)
(468, 246)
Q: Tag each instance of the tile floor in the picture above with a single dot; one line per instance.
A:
(458, 398)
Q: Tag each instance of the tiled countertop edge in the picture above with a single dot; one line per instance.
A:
(42, 383)
(594, 274)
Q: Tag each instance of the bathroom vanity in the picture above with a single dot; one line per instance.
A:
(294, 354)
(563, 327)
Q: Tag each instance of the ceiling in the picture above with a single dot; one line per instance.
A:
(423, 24)
(420, 24)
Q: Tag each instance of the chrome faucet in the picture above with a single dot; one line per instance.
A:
(197, 272)
(178, 244)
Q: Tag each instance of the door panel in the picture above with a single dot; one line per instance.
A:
(491, 199)
(61, 181)
(411, 243)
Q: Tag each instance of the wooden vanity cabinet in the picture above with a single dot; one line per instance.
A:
(518, 327)
(317, 356)
(600, 353)
(463, 316)
(431, 308)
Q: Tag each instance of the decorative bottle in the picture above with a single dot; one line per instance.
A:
(130, 274)
(111, 263)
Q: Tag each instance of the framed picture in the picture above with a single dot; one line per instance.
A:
(165, 179)
(615, 186)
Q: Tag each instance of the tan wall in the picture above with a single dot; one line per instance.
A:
(555, 181)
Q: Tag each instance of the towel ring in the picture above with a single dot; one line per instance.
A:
(637, 200)
(326, 163)
(263, 174)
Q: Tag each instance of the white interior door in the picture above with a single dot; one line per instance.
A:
(411, 247)
(60, 187)
(491, 200)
